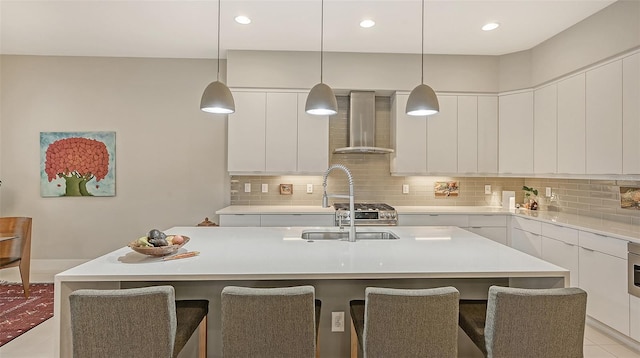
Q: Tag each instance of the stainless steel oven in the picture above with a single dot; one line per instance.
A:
(634, 269)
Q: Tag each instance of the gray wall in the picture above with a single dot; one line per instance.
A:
(170, 156)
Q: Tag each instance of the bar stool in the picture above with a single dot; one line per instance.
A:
(269, 322)
(405, 323)
(516, 322)
(136, 322)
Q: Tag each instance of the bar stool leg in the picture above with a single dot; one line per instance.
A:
(202, 338)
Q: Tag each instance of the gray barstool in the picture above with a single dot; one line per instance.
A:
(405, 323)
(137, 322)
(269, 322)
(516, 322)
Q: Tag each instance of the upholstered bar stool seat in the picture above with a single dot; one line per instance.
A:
(523, 323)
(137, 322)
(405, 323)
(269, 322)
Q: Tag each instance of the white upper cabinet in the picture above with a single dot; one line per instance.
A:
(488, 134)
(246, 133)
(271, 134)
(408, 138)
(545, 129)
(571, 125)
(631, 114)
(442, 137)
(281, 132)
(516, 133)
(467, 134)
(604, 119)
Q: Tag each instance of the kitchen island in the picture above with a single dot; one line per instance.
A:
(339, 270)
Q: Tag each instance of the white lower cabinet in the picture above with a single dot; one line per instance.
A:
(603, 274)
(243, 220)
(564, 255)
(634, 314)
(492, 227)
(526, 242)
(276, 220)
(433, 220)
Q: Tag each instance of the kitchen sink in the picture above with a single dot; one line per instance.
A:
(344, 235)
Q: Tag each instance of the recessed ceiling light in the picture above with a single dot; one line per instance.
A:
(490, 26)
(367, 23)
(243, 20)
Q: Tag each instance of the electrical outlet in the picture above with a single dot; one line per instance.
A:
(309, 188)
(265, 188)
(247, 187)
(487, 188)
(547, 192)
(405, 188)
(337, 321)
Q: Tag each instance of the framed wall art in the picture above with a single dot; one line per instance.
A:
(77, 164)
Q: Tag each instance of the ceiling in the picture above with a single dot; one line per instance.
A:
(188, 28)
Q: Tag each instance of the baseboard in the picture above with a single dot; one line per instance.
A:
(42, 270)
(622, 338)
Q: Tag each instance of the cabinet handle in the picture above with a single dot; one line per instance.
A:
(590, 250)
(476, 227)
(433, 215)
(566, 243)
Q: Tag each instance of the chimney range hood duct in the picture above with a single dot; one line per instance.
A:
(361, 121)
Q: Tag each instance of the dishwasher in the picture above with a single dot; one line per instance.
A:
(634, 269)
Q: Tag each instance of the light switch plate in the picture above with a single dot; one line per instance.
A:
(487, 188)
(547, 192)
(247, 187)
(337, 321)
(265, 188)
(405, 188)
(309, 188)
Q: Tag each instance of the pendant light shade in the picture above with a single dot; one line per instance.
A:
(217, 97)
(422, 100)
(321, 100)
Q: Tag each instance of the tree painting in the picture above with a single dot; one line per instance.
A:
(77, 163)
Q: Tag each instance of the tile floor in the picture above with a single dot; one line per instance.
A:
(39, 343)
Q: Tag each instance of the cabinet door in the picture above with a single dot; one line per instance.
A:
(604, 277)
(571, 125)
(631, 115)
(246, 133)
(409, 139)
(467, 134)
(313, 140)
(545, 139)
(497, 234)
(297, 220)
(634, 313)
(488, 134)
(281, 133)
(442, 138)
(526, 242)
(433, 219)
(604, 119)
(241, 220)
(516, 133)
(564, 255)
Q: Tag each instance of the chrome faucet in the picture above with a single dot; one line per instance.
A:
(325, 198)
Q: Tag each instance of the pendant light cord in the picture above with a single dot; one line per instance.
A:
(218, 54)
(421, 48)
(321, 38)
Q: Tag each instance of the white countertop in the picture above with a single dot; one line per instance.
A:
(274, 209)
(277, 253)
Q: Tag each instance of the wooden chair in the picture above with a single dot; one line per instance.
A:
(142, 322)
(527, 323)
(405, 323)
(270, 322)
(15, 248)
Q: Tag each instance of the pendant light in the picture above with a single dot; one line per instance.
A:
(321, 100)
(422, 100)
(217, 97)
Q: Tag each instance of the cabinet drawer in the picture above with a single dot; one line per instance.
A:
(433, 220)
(497, 234)
(562, 233)
(297, 220)
(529, 225)
(605, 244)
(240, 220)
(487, 220)
(526, 242)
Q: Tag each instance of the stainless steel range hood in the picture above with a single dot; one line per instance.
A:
(362, 125)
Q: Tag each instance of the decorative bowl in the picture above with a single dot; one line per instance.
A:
(159, 250)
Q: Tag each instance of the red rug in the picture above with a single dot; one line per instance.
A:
(19, 314)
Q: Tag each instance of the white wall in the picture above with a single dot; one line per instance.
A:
(170, 156)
